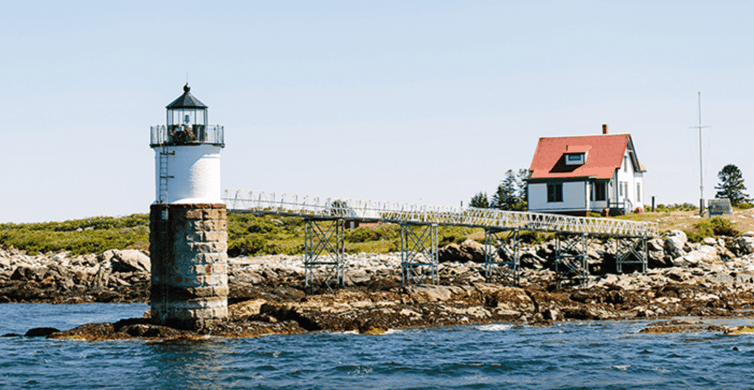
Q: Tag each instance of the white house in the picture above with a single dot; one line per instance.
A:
(583, 174)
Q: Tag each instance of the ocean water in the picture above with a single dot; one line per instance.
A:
(573, 355)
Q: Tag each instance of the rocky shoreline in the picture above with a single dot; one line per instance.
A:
(710, 279)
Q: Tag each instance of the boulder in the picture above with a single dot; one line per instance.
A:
(469, 250)
(474, 250)
(675, 241)
(657, 259)
(743, 277)
(655, 244)
(249, 277)
(357, 277)
(552, 315)
(91, 332)
(128, 260)
(29, 274)
(588, 313)
(149, 330)
(40, 332)
(452, 253)
(677, 274)
(745, 243)
(531, 260)
(705, 254)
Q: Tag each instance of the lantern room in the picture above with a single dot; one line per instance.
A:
(187, 110)
(187, 124)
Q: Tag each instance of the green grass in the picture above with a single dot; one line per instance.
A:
(90, 235)
(641, 217)
(248, 234)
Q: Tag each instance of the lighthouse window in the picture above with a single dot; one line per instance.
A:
(186, 119)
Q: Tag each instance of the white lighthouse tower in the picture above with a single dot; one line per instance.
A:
(188, 220)
(187, 153)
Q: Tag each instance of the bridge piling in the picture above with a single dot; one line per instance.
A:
(631, 250)
(501, 255)
(324, 255)
(419, 254)
(571, 257)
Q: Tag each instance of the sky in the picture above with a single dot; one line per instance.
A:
(422, 102)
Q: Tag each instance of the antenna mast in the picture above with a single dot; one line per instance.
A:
(701, 166)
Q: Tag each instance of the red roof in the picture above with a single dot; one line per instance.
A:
(577, 148)
(605, 154)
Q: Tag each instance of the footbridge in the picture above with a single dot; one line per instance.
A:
(325, 220)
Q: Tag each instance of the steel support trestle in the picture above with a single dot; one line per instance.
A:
(631, 250)
(419, 254)
(571, 257)
(324, 255)
(501, 256)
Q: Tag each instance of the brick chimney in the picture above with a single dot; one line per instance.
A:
(604, 128)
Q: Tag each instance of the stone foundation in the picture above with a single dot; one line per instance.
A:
(188, 246)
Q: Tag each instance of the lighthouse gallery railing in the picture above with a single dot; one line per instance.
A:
(209, 134)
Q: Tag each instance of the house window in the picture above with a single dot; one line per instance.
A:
(600, 193)
(555, 192)
(638, 192)
(621, 187)
(625, 163)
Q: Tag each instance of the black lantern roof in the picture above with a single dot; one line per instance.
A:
(187, 100)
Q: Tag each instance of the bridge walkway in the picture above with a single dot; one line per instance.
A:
(324, 244)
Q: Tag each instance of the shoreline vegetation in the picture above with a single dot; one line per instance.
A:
(251, 235)
(698, 267)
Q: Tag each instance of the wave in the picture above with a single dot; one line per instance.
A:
(494, 327)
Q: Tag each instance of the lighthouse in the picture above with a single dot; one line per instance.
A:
(188, 220)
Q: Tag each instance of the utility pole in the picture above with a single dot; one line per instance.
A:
(701, 166)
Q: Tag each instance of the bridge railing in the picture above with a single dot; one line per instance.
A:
(380, 211)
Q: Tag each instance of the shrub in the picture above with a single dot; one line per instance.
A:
(530, 237)
(723, 227)
(377, 232)
(676, 207)
(716, 226)
(90, 235)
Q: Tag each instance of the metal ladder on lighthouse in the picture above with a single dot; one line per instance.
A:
(162, 191)
(163, 225)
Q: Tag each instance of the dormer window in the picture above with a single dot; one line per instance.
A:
(575, 158)
(576, 155)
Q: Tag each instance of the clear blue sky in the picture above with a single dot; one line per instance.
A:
(411, 101)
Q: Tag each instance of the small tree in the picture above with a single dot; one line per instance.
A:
(523, 188)
(731, 185)
(511, 193)
(480, 201)
(505, 197)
